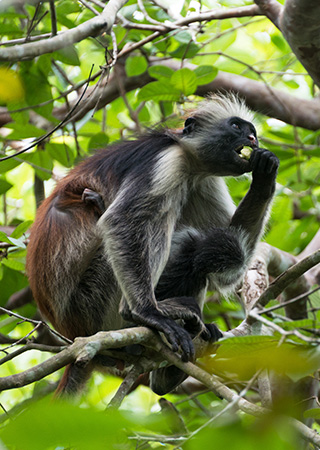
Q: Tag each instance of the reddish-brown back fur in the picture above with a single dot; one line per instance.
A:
(60, 218)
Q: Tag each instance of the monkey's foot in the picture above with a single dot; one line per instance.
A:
(212, 333)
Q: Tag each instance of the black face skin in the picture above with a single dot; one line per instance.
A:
(220, 151)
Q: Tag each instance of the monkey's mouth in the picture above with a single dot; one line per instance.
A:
(244, 151)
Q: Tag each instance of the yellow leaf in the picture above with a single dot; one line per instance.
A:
(11, 88)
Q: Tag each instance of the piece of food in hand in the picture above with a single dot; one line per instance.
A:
(246, 153)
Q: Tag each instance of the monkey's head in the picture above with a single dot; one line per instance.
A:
(217, 132)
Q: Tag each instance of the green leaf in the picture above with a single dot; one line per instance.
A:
(11, 240)
(21, 229)
(40, 159)
(4, 186)
(243, 356)
(61, 153)
(205, 74)
(97, 141)
(37, 86)
(185, 80)
(157, 91)
(185, 50)
(136, 65)
(314, 413)
(13, 264)
(160, 72)
(49, 425)
(184, 37)
(8, 164)
(27, 131)
(303, 323)
(67, 55)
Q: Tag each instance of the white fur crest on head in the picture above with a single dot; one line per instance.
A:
(218, 107)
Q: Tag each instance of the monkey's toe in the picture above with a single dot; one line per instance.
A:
(212, 333)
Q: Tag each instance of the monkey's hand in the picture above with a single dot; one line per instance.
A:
(175, 334)
(264, 165)
(185, 309)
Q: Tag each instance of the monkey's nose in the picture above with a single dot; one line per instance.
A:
(253, 139)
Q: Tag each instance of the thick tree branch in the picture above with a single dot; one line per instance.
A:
(272, 9)
(267, 100)
(260, 97)
(284, 280)
(300, 25)
(92, 27)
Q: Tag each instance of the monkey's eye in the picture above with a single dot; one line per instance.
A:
(235, 126)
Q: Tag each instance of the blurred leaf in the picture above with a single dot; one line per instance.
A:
(67, 55)
(11, 86)
(243, 356)
(313, 413)
(62, 153)
(11, 240)
(157, 91)
(49, 425)
(8, 164)
(4, 186)
(21, 229)
(294, 324)
(27, 131)
(11, 282)
(13, 264)
(205, 74)
(271, 432)
(136, 65)
(185, 80)
(97, 141)
(160, 72)
(37, 86)
(41, 160)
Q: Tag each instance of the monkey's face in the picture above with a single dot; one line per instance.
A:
(219, 146)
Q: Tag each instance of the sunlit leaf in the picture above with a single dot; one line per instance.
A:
(13, 264)
(160, 72)
(243, 356)
(157, 91)
(21, 229)
(48, 425)
(11, 86)
(185, 80)
(205, 74)
(136, 65)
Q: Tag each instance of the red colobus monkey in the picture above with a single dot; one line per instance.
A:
(138, 232)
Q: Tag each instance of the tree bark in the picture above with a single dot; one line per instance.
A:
(300, 25)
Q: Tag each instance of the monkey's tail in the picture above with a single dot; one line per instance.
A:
(73, 380)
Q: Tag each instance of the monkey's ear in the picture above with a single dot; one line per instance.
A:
(189, 126)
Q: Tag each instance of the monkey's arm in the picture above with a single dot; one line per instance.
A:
(223, 254)
(252, 213)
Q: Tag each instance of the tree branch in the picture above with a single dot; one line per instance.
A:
(264, 99)
(93, 27)
(300, 25)
(272, 9)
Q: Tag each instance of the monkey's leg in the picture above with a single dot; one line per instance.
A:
(196, 257)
